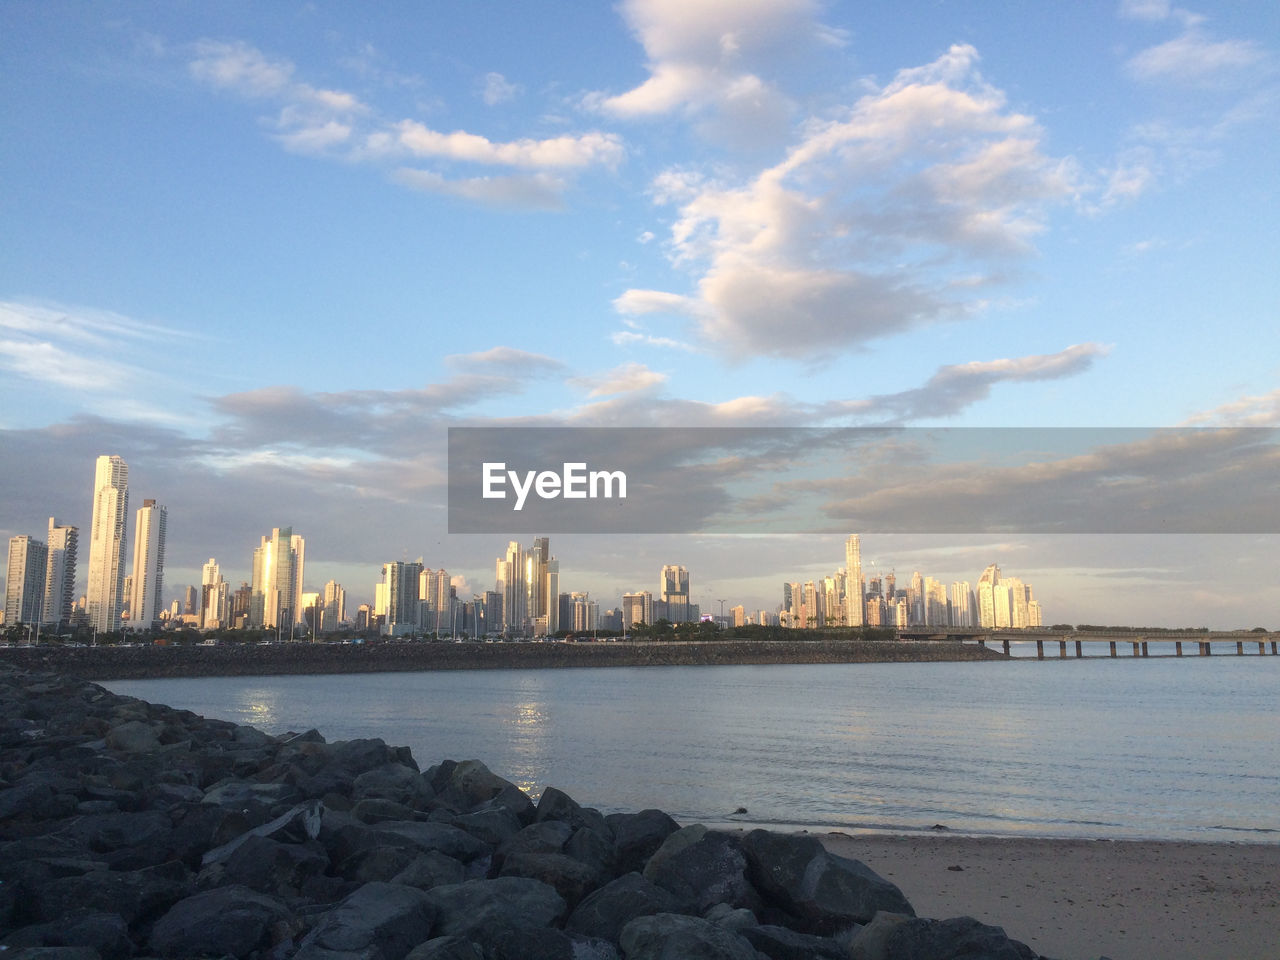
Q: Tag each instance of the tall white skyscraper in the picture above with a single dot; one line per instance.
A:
(148, 564)
(673, 590)
(335, 607)
(511, 583)
(853, 581)
(24, 583)
(60, 572)
(108, 544)
(987, 596)
(214, 597)
(276, 597)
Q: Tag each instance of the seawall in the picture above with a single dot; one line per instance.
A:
(135, 663)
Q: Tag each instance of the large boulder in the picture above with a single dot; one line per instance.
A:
(478, 909)
(440, 837)
(105, 933)
(431, 869)
(825, 892)
(234, 921)
(783, 943)
(268, 866)
(446, 948)
(960, 938)
(670, 936)
(571, 878)
(466, 786)
(555, 804)
(637, 836)
(604, 913)
(134, 894)
(393, 781)
(701, 868)
(384, 920)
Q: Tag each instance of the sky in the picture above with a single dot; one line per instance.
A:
(270, 254)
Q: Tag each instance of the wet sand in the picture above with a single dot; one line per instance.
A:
(1082, 899)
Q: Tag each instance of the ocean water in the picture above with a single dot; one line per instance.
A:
(1159, 748)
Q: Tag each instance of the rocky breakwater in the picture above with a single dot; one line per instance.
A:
(132, 829)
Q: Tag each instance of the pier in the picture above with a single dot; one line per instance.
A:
(1121, 644)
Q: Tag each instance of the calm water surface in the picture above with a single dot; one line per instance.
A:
(1168, 749)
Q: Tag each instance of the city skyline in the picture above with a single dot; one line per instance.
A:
(268, 259)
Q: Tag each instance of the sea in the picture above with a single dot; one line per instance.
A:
(1128, 748)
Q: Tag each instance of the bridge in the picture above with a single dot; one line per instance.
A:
(1140, 641)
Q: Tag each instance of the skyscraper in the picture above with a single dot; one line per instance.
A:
(60, 573)
(24, 584)
(276, 599)
(987, 596)
(673, 589)
(404, 607)
(214, 597)
(511, 583)
(853, 581)
(107, 543)
(335, 607)
(148, 564)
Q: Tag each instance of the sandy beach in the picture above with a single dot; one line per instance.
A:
(1081, 899)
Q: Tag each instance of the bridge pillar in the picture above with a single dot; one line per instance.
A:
(1078, 652)
(1144, 648)
(1062, 649)
(1178, 647)
(982, 642)
(1204, 649)
(1113, 648)
(1006, 646)
(1039, 649)
(1273, 648)
(1262, 648)
(1135, 648)
(1239, 648)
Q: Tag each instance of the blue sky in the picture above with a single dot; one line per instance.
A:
(268, 254)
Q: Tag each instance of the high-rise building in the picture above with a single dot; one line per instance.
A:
(24, 583)
(214, 597)
(108, 545)
(60, 573)
(551, 602)
(853, 581)
(335, 607)
(637, 608)
(148, 565)
(673, 590)
(963, 607)
(277, 580)
(987, 596)
(404, 610)
(511, 582)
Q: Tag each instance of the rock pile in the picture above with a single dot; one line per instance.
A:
(132, 829)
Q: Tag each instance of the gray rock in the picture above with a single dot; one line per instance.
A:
(55, 953)
(548, 837)
(441, 837)
(669, 936)
(467, 785)
(298, 825)
(796, 874)
(738, 919)
(961, 938)
(134, 894)
(871, 942)
(781, 943)
(133, 736)
(701, 868)
(637, 836)
(395, 782)
(446, 948)
(107, 934)
(594, 850)
(604, 913)
(480, 907)
(555, 804)
(268, 866)
(571, 878)
(431, 869)
(379, 920)
(230, 920)
(492, 826)
(376, 810)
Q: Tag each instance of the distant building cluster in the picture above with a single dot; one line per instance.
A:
(846, 599)
(411, 599)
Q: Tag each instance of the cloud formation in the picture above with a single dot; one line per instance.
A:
(338, 124)
(863, 229)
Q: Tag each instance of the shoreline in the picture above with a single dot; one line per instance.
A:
(1073, 898)
(229, 660)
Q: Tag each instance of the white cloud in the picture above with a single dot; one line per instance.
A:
(857, 233)
(537, 191)
(1252, 411)
(710, 57)
(497, 89)
(508, 359)
(627, 378)
(1193, 58)
(566, 151)
(625, 338)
